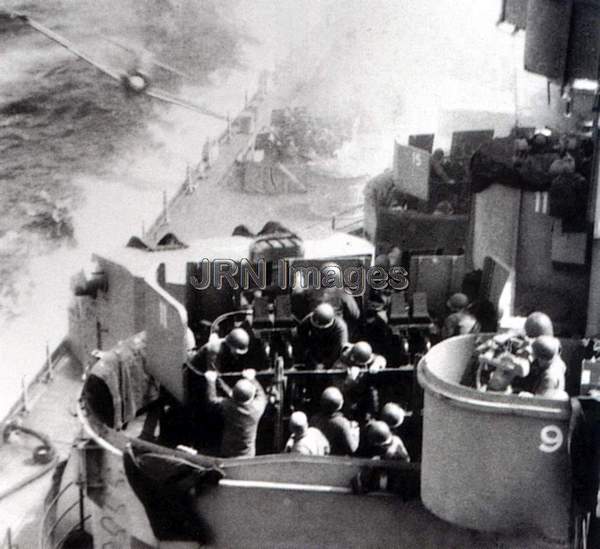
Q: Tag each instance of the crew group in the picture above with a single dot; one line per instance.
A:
(334, 429)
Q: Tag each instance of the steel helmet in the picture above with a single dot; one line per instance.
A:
(298, 422)
(331, 400)
(361, 354)
(243, 391)
(457, 302)
(538, 324)
(393, 415)
(238, 341)
(323, 316)
(545, 347)
(379, 433)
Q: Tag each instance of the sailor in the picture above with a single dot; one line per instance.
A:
(383, 444)
(223, 354)
(360, 391)
(516, 343)
(331, 290)
(383, 191)
(321, 337)
(394, 415)
(241, 411)
(460, 321)
(305, 440)
(441, 185)
(379, 298)
(537, 324)
(438, 172)
(548, 369)
(335, 293)
(374, 327)
(520, 344)
(342, 434)
(506, 367)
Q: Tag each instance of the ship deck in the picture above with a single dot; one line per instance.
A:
(205, 212)
(215, 207)
(52, 405)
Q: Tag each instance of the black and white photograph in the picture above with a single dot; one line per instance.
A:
(299, 274)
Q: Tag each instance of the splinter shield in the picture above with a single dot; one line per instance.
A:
(166, 324)
(411, 170)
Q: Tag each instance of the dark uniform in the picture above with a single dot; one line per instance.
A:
(216, 356)
(240, 420)
(361, 396)
(342, 436)
(460, 323)
(305, 301)
(547, 382)
(322, 345)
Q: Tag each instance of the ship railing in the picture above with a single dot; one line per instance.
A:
(298, 370)
(223, 138)
(58, 522)
(30, 384)
(7, 542)
(347, 221)
(347, 226)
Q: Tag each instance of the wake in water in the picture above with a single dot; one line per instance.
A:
(84, 166)
(61, 121)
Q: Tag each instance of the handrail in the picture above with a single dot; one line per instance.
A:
(42, 374)
(87, 427)
(223, 137)
(55, 500)
(62, 516)
(7, 542)
(294, 371)
(58, 544)
(47, 531)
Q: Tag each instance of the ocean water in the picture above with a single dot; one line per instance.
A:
(82, 165)
(63, 123)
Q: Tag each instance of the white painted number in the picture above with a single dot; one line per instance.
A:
(416, 158)
(552, 439)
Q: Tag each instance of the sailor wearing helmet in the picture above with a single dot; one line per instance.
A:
(305, 440)
(343, 435)
(321, 337)
(241, 411)
(359, 388)
(227, 354)
(460, 321)
(515, 343)
(548, 369)
(382, 443)
(506, 368)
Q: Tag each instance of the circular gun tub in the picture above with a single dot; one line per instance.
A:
(492, 462)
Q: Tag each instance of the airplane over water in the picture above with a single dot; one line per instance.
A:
(136, 80)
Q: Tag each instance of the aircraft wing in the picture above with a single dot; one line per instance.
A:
(173, 99)
(139, 50)
(69, 46)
